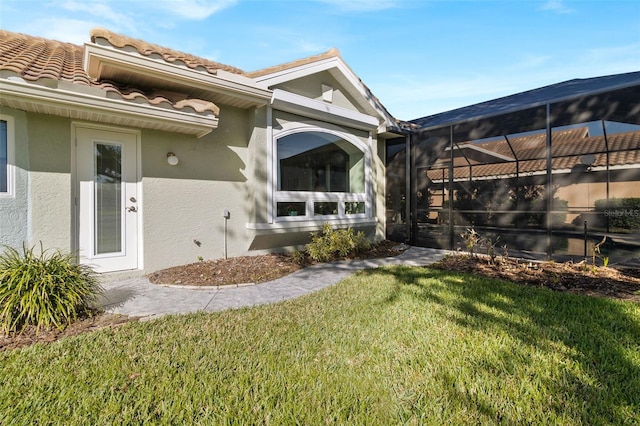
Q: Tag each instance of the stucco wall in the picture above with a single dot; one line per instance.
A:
(50, 181)
(311, 87)
(14, 228)
(183, 205)
(40, 209)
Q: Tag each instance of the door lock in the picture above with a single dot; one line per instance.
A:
(132, 209)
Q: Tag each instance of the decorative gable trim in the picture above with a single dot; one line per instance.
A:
(296, 104)
(339, 70)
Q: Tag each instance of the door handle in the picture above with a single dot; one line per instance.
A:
(132, 209)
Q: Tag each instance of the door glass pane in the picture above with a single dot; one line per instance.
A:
(108, 198)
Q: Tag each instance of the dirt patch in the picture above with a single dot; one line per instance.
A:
(577, 278)
(29, 336)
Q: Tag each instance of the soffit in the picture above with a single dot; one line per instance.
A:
(135, 62)
(38, 74)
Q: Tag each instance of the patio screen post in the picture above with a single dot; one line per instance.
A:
(410, 199)
(549, 192)
(606, 145)
(407, 189)
(451, 156)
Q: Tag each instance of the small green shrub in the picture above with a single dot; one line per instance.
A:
(299, 257)
(43, 290)
(332, 244)
(622, 213)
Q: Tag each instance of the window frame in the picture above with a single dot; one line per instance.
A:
(312, 197)
(10, 193)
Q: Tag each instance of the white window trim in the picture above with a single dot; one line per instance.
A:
(11, 170)
(310, 197)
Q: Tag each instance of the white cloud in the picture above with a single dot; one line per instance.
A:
(101, 10)
(68, 30)
(557, 6)
(361, 5)
(194, 9)
(306, 46)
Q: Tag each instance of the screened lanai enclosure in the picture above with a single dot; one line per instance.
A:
(550, 173)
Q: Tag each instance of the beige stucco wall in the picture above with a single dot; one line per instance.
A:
(311, 87)
(40, 211)
(50, 181)
(14, 211)
(183, 205)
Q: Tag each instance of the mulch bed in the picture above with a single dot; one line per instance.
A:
(30, 335)
(580, 278)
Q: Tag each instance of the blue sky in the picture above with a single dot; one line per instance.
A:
(419, 57)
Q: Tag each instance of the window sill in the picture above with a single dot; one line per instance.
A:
(310, 225)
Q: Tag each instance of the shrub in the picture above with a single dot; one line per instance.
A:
(43, 290)
(332, 244)
(299, 257)
(622, 213)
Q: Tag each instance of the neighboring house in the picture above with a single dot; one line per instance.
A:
(140, 157)
(580, 164)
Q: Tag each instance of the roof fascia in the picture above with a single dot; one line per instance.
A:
(77, 104)
(296, 104)
(96, 57)
(338, 69)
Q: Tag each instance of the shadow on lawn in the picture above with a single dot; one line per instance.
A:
(596, 331)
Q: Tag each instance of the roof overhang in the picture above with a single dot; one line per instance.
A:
(86, 106)
(296, 104)
(108, 63)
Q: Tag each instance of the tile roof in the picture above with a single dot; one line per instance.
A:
(36, 59)
(169, 55)
(331, 53)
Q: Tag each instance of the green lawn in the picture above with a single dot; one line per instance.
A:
(390, 346)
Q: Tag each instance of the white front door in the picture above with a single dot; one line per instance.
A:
(107, 191)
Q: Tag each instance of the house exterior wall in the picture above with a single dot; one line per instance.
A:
(40, 211)
(14, 209)
(311, 87)
(183, 205)
(50, 181)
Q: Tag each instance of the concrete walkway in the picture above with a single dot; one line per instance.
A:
(136, 296)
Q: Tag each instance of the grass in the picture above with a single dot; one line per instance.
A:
(390, 346)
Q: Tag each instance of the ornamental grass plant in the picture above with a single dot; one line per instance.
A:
(44, 290)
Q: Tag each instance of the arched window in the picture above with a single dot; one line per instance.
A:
(320, 174)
